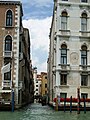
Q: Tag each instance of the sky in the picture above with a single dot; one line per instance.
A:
(37, 17)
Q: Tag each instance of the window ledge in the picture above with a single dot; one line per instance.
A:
(66, 86)
(64, 64)
(64, 30)
(84, 65)
(84, 31)
(9, 26)
(84, 86)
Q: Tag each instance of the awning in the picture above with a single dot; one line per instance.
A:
(5, 68)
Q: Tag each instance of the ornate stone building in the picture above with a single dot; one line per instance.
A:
(14, 55)
(69, 53)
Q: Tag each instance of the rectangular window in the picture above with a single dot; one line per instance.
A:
(83, 24)
(84, 80)
(64, 22)
(7, 76)
(84, 1)
(84, 95)
(63, 95)
(63, 56)
(45, 92)
(63, 79)
(64, 0)
(83, 57)
(45, 85)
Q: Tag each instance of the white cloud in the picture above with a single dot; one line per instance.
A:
(39, 32)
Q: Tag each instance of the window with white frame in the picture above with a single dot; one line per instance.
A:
(63, 79)
(63, 54)
(84, 80)
(84, 22)
(84, 55)
(64, 21)
(9, 18)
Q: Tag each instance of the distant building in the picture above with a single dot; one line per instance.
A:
(40, 84)
(14, 55)
(69, 53)
(37, 83)
(44, 90)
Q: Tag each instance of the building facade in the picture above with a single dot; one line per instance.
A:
(14, 54)
(37, 84)
(44, 84)
(69, 53)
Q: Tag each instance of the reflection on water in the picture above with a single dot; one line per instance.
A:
(38, 112)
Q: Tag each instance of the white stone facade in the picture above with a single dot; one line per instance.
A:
(69, 53)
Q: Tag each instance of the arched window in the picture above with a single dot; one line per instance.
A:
(9, 18)
(84, 55)
(63, 54)
(8, 43)
(84, 22)
(64, 20)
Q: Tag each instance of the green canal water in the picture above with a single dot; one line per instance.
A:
(38, 112)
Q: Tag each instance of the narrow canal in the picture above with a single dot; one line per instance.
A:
(38, 112)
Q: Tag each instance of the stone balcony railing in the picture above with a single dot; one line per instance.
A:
(6, 84)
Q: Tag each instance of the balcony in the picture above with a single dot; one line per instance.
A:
(64, 67)
(84, 34)
(65, 33)
(6, 84)
(7, 54)
(84, 68)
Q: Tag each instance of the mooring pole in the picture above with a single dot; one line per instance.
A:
(12, 100)
(70, 104)
(56, 107)
(65, 104)
(84, 104)
(78, 101)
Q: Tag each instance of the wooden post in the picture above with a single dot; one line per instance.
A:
(56, 107)
(65, 104)
(84, 104)
(12, 101)
(70, 104)
(78, 101)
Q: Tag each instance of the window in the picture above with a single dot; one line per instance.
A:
(7, 76)
(63, 79)
(84, 22)
(84, 80)
(83, 55)
(63, 54)
(45, 85)
(63, 95)
(64, 21)
(9, 18)
(84, 1)
(84, 95)
(45, 92)
(8, 43)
